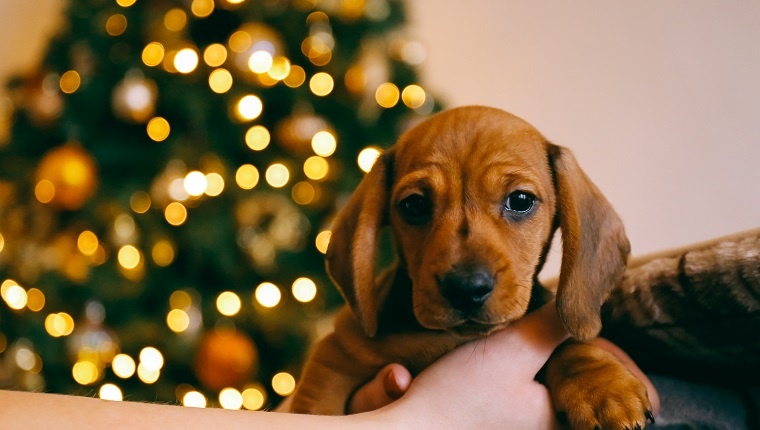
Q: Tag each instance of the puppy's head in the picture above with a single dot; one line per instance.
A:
(473, 196)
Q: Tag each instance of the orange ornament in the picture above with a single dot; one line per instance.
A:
(67, 177)
(225, 358)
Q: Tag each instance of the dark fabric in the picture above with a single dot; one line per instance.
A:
(694, 406)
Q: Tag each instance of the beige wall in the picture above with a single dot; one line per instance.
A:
(660, 100)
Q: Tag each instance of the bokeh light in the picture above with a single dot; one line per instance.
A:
(304, 290)
(110, 392)
(140, 202)
(220, 81)
(253, 398)
(387, 95)
(177, 320)
(129, 257)
(215, 55)
(413, 96)
(158, 129)
(186, 60)
(175, 213)
(228, 303)
(248, 108)
(315, 168)
(323, 143)
(70, 81)
(247, 176)
(296, 77)
(194, 399)
(321, 84)
(195, 183)
(303, 193)
(175, 19)
(202, 8)
(116, 24)
(87, 243)
(257, 137)
(123, 366)
(283, 383)
(153, 54)
(162, 253)
(215, 184)
(277, 175)
(267, 295)
(230, 398)
(367, 158)
(322, 241)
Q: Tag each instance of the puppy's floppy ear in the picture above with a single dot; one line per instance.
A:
(594, 246)
(352, 252)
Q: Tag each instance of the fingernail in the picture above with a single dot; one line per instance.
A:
(650, 416)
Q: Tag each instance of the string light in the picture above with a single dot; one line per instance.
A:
(230, 398)
(277, 175)
(215, 55)
(153, 54)
(175, 19)
(253, 398)
(303, 193)
(87, 243)
(387, 95)
(260, 62)
(280, 68)
(304, 290)
(116, 24)
(239, 41)
(146, 375)
(140, 202)
(177, 320)
(129, 257)
(162, 253)
(323, 143)
(44, 191)
(186, 60)
(215, 184)
(195, 183)
(228, 303)
(247, 176)
(35, 300)
(158, 129)
(413, 96)
(220, 81)
(124, 226)
(202, 8)
(151, 358)
(85, 372)
(110, 392)
(296, 77)
(175, 213)
(283, 383)
(367, 158)
(180, 300)
(322, 240)
(267, 295)
(70, 81)
(321, 84)
(249, 107)
(14, 296)
(257, 137)
(123, 366)
(59, 324)
(315, 168)
(194, 399)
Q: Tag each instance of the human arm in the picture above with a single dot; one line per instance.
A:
(483, 384)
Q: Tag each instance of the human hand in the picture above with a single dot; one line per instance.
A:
(487, 383)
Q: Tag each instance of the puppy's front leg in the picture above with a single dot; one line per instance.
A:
(329, 378)
(594, 390)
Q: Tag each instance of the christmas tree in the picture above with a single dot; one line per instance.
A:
(167, 181)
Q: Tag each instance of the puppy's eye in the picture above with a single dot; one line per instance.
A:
(520, 202)
(415, 209)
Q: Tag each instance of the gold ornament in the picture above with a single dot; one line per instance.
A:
(134, 98)
(225, 358)
(67, 177)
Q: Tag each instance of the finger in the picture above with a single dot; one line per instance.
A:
(389, 384)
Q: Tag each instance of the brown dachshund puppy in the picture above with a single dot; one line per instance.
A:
(473, 196)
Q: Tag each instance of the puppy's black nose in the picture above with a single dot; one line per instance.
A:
(466, 289)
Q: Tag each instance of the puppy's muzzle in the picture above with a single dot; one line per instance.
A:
(466, 289)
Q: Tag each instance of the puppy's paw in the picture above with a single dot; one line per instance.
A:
(591, 389)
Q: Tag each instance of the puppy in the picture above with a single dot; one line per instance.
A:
(473, 197)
